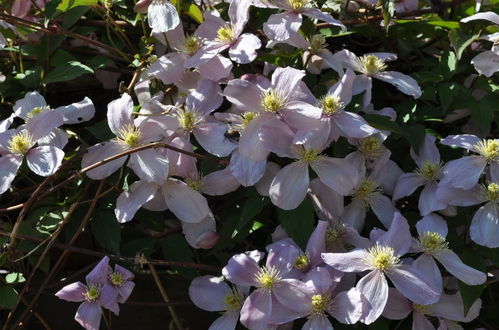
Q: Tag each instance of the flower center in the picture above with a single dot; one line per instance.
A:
(308, 156)
(192, 44)
(423, 309)
(116, 279)
(187, 119)
(366, 188)
(489, 149)
(317, 42)
(331, 104)
(432, 241)
(493, 192)
(247, 118)
(267, 277)
(302, 262)
(226, 34)
(194, 183)
(370, 146)
(319, 303)
(382, 257)
(298, 4)
(20, 143)
(272, 100)
(233, 301)
(37, 110)
(92, 293)
(130, 135)
(429, 170)
(371, 64)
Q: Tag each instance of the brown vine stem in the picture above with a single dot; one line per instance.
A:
(129, 260)
(162, 290)
(62, 257)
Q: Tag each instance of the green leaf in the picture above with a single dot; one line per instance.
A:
(460, 40)
(483, 112)
(446, 93)
(66, 5)
(298, 223)
(50, 9)
(73, 15)
(175, 248)
(67, 71)
(471, 293)
(8, 297)
(250, 209)
(14, 278)
(448, 64)
(195, 13)
(383, 123)
(106, 230)
(415, 135)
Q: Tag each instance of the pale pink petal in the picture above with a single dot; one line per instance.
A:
(352, 125)
(250, 144)
(130, 201)
(484, 229)
(257, 309)
(286, 80)
(349, 60)
(78, 112)
(43, 123)
(244, 94)
(419, 321)
(280, 27)
(181, 164)
(354, 214)
(186, 203)
(208, 293)
(56, 138)
(408, 282)
(432, 223)
(347, 307)
(383, 207)
(456, 267)
(407, 184)
(74, 292)
(217, 68)
(486, 63)
(466, 141)
(211, 136)
(398, 235)
(30, 101)
(404, 83)
(44, 160)
(124, 291)
(353, 261)
(9, 165)
(162, 16)
(263, 185)
(246, 171)
(451, 307)
(323, 16)
(448, 194)
(429, 271)
(168, 68)
(228, 321)
(319, 321)
(398, 307)
(100, 152)
(428, 201)
(327, 202)
(290, 186)
(244, 50)
(149, 165)
(489, 16)
(238, 14)
(337, 174)
(317, 243)
(464, 172)
(88, 315)
(374, 287)
(206, 53)
(212, 22)
(219, 183)
(201, 235)
(277, 137)
(241, 270)
(428, 151)
(291, 290)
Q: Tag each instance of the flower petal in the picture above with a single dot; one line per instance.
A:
(408, 282)
(337, 174)
(130, 201)
(44, 160)
(290, 186)
(149, 165)
(162, 16)
(88, 315)
(100, 152)
(241, 270)
(347, 307)
(257, 309)
(186, 203)
(244, 50)
(456, 267)
(374, 287)
(78, 112)
(74, 292)
(119, 113)
(464, 172)
(353, 261)
(9, 165)
(484, 229)
(209, 292)
(403, 82)
(245, 170)
(407, 184)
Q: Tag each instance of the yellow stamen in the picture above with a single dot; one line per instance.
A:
(267, 277)
(423, 309)
(319, 303)
(330, 104)
(191, 45)
(488, 148)
(371, 64)
(493, 192)
(366, 188)
(272, 101)
(37, 110)
(233, 301)
(298, 4)
(302, 262)
(20, 143)
(116, 279)
(317, 42)
(226, 34)
(429, 170)
(187, 119)
(130, 135)
(432, 241)
(370, 146)
(382, 257)
(92, 293)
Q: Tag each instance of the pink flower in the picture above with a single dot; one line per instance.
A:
(383, 260)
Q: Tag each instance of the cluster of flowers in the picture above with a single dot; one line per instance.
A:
(322, 281)
(105, 288)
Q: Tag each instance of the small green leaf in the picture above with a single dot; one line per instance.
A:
(250, 209)
(14, 278)
(66, 5)
(8, 297)
(195, 13)
(384, 123)
(106, 230)
(298, 223)
(67, 71)
(460, 40)
(415, 135)
(50, 9)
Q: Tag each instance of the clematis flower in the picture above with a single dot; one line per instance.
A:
(220, 35)
(201, 235)
(186, 203)
(148, 164)
(120, 280)
(373, 66)
(20, 143)
(428, 172)
(284, 98)
(484, 228)
(487, 62)
(213, 294)
(465, 172)
(346, 307)
(432, 230)
(275, 296)
(448, 309)
(284, 26)
(94, 295)
(383, 260)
